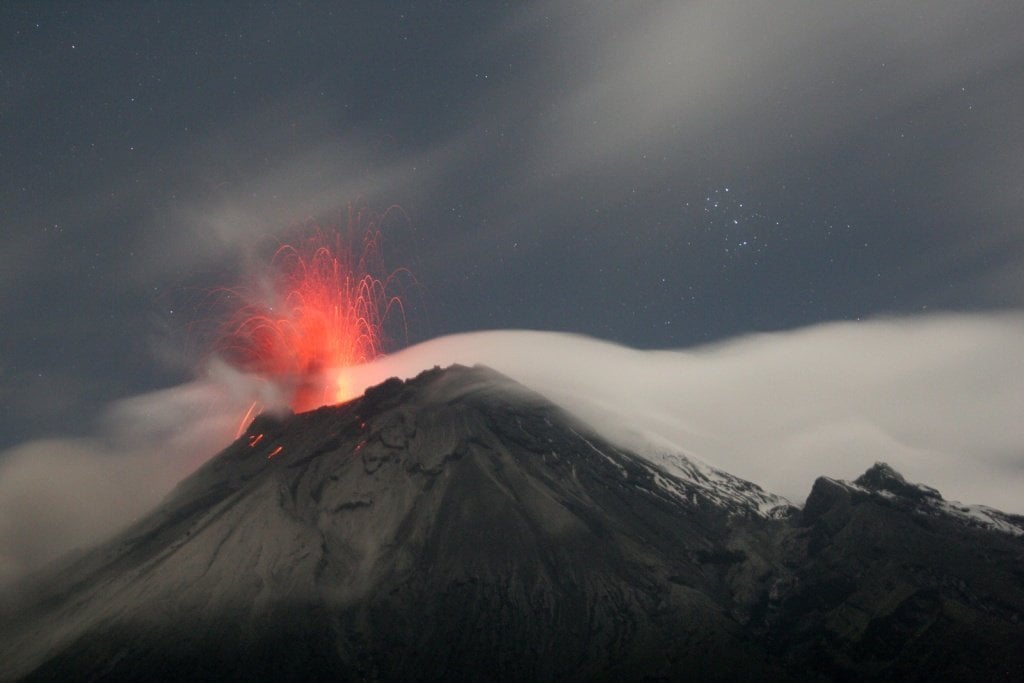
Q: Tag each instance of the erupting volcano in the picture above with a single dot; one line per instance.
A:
(322, 304)
(457, 526)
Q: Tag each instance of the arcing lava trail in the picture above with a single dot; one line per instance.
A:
(322, 304)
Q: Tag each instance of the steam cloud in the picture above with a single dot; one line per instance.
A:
(937, 397)
(57, 495)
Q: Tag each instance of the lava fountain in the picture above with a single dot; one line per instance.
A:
(322, 304)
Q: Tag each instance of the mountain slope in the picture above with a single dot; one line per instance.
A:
(455, 523)
(458, 526)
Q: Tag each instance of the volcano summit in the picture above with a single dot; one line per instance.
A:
(459, 526)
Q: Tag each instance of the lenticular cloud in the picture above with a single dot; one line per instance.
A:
(937, 397)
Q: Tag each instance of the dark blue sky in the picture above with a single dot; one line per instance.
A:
(658, 174)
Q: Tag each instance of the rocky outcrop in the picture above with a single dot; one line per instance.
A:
(892, 585)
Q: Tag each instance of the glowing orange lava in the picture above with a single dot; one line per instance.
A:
(321, 306)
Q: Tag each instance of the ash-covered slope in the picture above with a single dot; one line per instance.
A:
(458, 526)
(452, 526)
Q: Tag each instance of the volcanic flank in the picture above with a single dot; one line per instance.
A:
(459, 526)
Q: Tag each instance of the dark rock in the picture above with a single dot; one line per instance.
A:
(881, 477)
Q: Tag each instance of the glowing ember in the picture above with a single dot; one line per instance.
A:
(321, 306)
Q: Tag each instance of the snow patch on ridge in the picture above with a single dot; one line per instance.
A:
(980, 515)
(691, 481)
(931, 503)
(720, 487)
(620, 468)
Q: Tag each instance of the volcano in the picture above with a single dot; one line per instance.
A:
(459, 526)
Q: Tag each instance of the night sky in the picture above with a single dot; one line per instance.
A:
(660, 175)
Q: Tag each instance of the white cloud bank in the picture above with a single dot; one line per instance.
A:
(940, 398)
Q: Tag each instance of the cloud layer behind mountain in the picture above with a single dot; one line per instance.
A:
(937, 397)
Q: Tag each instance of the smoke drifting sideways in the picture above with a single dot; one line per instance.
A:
(938, 397)
(59, 494)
